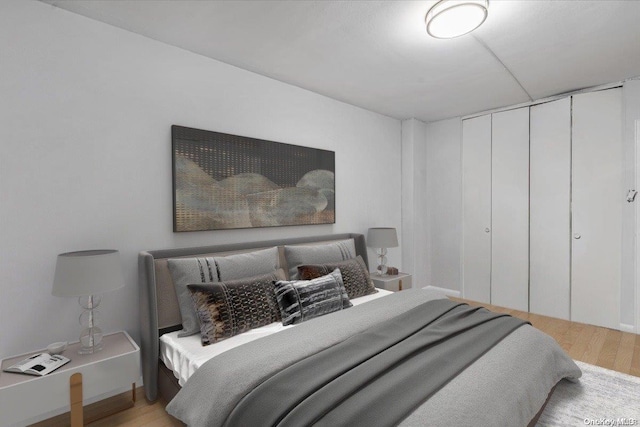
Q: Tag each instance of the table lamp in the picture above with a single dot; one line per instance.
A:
(382, 238)
(86, 275)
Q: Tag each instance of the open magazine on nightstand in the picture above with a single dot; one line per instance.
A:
(39, 364)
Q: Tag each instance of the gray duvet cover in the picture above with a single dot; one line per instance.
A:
(505, 387)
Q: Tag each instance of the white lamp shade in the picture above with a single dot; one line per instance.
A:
(87, 273)
(382, 237)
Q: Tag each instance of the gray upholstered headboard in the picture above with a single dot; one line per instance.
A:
(159, 311)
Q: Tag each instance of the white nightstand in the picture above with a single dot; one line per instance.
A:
(392, 282)
(28, 399)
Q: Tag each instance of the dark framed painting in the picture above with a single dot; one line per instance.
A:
(223, 181)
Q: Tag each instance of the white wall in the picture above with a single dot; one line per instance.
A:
(86, 113)
(415, 220)
(431, 202)
(444, 200)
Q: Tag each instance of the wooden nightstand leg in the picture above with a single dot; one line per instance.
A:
(75, 400)
(133, 392)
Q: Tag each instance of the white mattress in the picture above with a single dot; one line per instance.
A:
(185, 355)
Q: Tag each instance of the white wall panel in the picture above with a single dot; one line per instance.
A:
(597, 208)
(414, 238)
(550, 213)
(476, 216)
(636, 276)
(444, 202)
(628, 282)
(510, 209)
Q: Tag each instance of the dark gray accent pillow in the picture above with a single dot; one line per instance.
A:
(317, 254)
(249, 264)
(301, 300)
(230, 308)
(185, 271)
(356, 277)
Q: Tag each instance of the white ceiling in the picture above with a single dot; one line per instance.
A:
(377, 54)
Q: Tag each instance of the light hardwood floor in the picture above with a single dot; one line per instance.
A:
(619, 351)
(611, 349)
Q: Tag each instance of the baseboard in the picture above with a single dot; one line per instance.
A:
(627, 328)
(447, 292)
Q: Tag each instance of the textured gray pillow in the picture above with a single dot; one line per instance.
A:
(301, 300)
(185, 271)
(230, 308)
(318, 254)
(355, 275)
(246, 265)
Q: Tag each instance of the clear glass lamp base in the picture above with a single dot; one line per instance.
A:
(90, 340)
(91, 335)
(382, 261)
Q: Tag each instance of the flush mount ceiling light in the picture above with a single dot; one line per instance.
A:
(453, 18)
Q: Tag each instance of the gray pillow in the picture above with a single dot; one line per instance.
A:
(185, 271)
(318, 254)
(246, 265)
(301, 300)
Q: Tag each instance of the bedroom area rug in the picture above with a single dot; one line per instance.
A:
(600, 398)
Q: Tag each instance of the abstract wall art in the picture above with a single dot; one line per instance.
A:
(223, 181)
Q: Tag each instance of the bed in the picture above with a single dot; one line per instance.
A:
(246, 377)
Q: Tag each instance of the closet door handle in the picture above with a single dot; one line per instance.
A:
(486, 230)
(577, 236)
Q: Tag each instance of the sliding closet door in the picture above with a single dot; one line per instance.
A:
(596, 208)
(476, 205)
(549, 210)
(510, 209)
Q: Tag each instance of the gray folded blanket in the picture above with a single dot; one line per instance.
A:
(414, 355)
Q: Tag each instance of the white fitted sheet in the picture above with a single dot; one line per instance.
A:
(185, 355)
